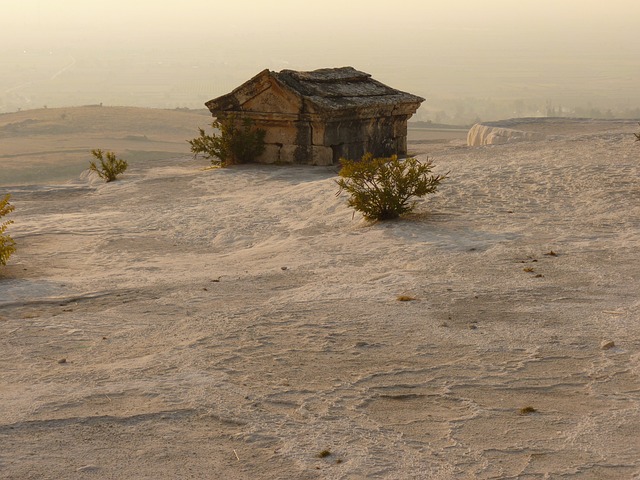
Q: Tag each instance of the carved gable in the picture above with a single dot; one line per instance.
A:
(274, 100)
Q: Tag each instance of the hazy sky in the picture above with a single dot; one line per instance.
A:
(92, 20)
(466, 48)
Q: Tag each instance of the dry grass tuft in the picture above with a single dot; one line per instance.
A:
(527, 410)
(405, 298)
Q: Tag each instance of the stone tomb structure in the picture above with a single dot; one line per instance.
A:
(321, 116)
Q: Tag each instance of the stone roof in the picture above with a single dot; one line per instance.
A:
(330, 89)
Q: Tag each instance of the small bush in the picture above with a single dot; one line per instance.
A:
(405, 298)
(637, 135)
(384, 188)
(527, 410)
(234, 143)
(7, 245)
(110, 167)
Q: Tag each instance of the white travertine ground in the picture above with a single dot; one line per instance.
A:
(235, 323)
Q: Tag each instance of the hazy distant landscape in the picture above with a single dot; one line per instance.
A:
(471, 60)
(458, 92)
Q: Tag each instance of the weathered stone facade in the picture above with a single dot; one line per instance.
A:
(320, 116)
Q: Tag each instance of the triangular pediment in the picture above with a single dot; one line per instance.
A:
(262, 94)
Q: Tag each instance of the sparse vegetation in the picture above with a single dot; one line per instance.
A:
(110, 166)
(384, 188)
(324, 454)
(527, 410)
(7, 245)
(637, 135)
(234, 144)
(405, 298)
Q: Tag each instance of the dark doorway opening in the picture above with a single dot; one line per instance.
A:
(338, 152)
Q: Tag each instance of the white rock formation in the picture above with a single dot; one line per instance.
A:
(489, 134)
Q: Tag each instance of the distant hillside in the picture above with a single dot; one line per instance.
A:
(98, 119)
(50, 145)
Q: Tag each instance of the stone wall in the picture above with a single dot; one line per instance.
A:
(314, 141)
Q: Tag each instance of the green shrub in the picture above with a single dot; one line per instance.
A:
(384, 188)
(234, 143)
(110, 167)
(7, 245)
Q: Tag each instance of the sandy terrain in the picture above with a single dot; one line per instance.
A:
(235, 323)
